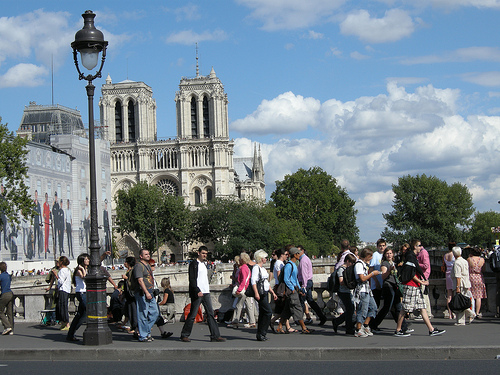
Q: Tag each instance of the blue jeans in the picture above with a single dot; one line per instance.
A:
(147, 313)
(367, 307)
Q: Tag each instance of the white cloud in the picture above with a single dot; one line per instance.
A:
(452, 4)
(23, 75)
(291, 14)
(468, 54)
(288, 113)
(395, 25)
(189, 12)
(358, 56)
(368, 143)
(313, 35)
(483, 79)
(45, 34)
(189, 37)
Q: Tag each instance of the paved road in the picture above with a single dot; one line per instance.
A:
(407, 367)
(480, 340)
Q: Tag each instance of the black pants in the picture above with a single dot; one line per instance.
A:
(309, 298)
(346, 316)
(195, 305)
(80, 316)
(265, 314)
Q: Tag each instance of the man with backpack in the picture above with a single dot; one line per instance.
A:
(344, 293)
(293, 307)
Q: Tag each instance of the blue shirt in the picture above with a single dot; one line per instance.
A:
(5, 282)
(290, 276)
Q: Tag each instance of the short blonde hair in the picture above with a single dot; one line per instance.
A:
(259, 255)
(245, 258)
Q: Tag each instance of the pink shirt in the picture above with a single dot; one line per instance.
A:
(305, 270)
(243, 278)
(424, 262)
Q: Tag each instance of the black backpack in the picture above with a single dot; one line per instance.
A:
(495, 260)
(350, 280)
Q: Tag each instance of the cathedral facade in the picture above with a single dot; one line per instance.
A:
(198, 165)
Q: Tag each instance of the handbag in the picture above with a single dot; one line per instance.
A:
(460, 303)
(399, 285)
(260, 285)
(235, 288)
(280, 290)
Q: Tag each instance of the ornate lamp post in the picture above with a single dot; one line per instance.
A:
(90, 42)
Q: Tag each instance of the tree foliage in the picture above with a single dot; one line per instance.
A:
(150, 213)
(15, 197)
(232, 225)
(429, 209)
(323, 209)
(480, 230)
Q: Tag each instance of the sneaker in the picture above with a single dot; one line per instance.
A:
(419, 317)
(6, 331)
(437, 332)
(401, 334)
(65, 328)
(166, 335)
(409, 330)
(360, 333)
(368, 331)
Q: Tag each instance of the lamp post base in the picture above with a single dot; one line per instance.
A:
(97, 331)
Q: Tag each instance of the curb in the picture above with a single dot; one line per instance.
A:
(266, 354)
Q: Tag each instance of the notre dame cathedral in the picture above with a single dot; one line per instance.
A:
(198, 165)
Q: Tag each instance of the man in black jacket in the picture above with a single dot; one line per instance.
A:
(199, 293)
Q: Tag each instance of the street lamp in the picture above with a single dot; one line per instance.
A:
(90, 42)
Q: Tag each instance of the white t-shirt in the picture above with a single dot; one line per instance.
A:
(278, 266)
(263, 275)
(361, 268)
(376, 262)
(202, 279)
(64, 279)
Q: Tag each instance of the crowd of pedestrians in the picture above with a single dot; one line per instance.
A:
(367, 285)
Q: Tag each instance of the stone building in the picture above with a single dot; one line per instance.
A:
(197, 165)
(58, 180)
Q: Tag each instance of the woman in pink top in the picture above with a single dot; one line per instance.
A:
(243, 282)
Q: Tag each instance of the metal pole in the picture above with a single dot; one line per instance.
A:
(97, 331)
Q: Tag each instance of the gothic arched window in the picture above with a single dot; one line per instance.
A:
(118, 122)
(197, 197)
(194, 118)
(206, 118)
(131, 121)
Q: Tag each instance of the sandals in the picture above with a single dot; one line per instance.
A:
(291, 330)
(307, 331)
(279, 330)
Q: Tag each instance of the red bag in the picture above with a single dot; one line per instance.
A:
(199, 316)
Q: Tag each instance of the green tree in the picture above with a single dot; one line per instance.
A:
(232, 225)
(480, 230)
(152, 215)
(429, 209)
(324, 210)
(14, 197)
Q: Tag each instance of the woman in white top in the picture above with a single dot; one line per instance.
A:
(260, 285)
(79, 274)
(64, 287)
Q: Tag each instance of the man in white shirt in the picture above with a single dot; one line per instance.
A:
(199, 292)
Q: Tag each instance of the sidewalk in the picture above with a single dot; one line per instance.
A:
(480, 340)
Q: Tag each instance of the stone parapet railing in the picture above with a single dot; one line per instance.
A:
(30, 301)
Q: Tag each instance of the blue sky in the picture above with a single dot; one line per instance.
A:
(368, 90)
